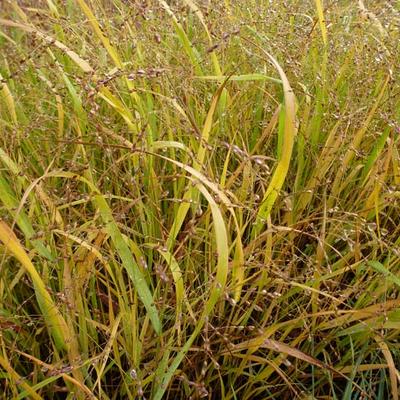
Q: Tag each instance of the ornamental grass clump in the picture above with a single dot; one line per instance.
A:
(199, 199)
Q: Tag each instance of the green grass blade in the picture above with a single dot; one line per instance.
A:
(8, 198)
(377, 266)
(128, 261)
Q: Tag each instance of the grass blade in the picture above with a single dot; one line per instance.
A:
(52, 316)
(216, 291)
(128, 261)
(282, 168)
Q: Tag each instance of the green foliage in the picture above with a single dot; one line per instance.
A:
(199, 199)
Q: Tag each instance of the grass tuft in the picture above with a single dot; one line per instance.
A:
(199, 199)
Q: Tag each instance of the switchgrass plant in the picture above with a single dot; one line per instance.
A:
(199, 199)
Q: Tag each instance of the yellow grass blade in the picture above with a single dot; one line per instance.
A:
(17, 378)
(282, 168)
(179, 288)
(8, 100)
(52, 316)
(184, 207)
(240, 78)
(216, 291)
(186, 44)
(199, 15)
(106, 352)
(393, 371)
(100, 33)
(321, 21)
(357, 140)
(84, 65)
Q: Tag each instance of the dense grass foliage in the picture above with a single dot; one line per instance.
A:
(199, 199)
